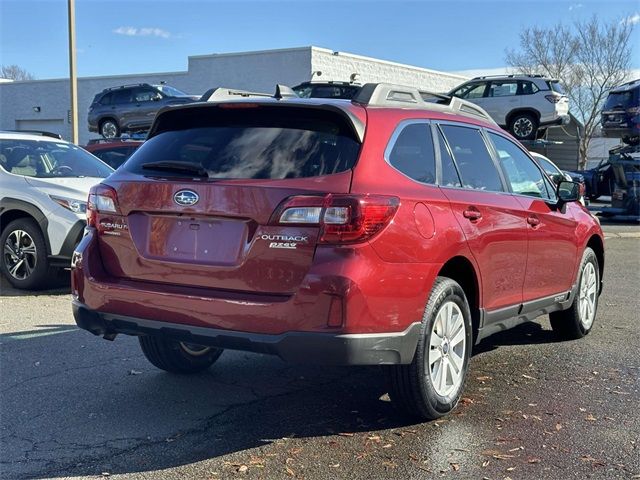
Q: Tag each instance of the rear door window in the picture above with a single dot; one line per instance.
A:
(412, 152)
(450, 176)
(474, 161)
(121, 96)
(257, 142)
(503, 88)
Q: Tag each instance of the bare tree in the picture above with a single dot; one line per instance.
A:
(589, 58)
(14, 72)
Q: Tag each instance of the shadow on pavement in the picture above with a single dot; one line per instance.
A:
(60, 284)
(82, 406)
(524, 334)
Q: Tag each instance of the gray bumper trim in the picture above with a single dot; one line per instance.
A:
(297, 347)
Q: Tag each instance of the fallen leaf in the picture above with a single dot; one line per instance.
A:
(533, 460)
(516, 449)
(511, 469)
(590, 418)
(485, 463)
(388, 445)
(135, 372)
(529, 377)
(455, 467)
(290, 472)
(242, 468)
(558, 426)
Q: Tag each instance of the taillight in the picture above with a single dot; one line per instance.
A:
(553, 98)
(102, 199)
(341, 218)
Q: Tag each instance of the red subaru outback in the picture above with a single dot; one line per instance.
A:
(395, 229)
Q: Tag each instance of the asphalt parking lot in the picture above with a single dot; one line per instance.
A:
(74, 405)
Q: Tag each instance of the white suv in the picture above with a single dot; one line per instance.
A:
(44, 185)
(521, 104)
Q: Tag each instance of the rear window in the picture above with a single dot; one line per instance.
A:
(556, 87)
(251, 143)
(620, 100)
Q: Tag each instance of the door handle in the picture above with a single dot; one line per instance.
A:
(472, 213)
(533, 220)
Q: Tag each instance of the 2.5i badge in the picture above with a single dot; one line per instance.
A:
(285, 241)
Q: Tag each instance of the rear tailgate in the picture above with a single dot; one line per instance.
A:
(214, 230)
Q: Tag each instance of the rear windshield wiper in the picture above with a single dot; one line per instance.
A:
(178, 167)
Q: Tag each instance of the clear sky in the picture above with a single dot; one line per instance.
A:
(119, 37)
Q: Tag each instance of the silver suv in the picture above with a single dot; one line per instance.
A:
(522, 104)
(131, 108)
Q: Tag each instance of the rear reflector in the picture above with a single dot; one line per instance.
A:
(342, 218)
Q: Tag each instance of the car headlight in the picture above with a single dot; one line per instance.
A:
(76, 206)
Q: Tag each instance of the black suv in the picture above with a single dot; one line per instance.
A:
(621, 113)
(131, 108)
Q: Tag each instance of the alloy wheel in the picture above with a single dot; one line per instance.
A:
(193, 349)
(109, 130)
(447, 349)
(523, 127)
(20, 254)
(587, 295)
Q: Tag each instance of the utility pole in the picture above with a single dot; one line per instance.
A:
(73, 79)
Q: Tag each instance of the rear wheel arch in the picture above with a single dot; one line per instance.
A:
(461, 270)
(516, 111)
(596, 244)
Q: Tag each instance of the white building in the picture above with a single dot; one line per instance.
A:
(44, 104)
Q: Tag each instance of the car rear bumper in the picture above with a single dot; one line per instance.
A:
(298, 347)
(349, 309)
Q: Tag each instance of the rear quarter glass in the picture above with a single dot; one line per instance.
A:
(252, 143)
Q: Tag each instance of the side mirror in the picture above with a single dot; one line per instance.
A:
(557, 178)
(568, 191)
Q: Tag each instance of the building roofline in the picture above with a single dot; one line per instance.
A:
(251, 52)
(388, 62)
(96, 77)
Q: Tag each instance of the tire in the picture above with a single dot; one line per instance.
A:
(109, 128)
(523, 126)
(577, 321)
(24, 261)
(177, 357)
(415, 388)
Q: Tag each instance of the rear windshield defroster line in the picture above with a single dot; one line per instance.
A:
(250, 143)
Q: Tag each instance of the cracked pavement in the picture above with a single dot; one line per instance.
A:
(76, 406)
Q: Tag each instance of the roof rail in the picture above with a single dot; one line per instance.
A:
(389, 95)
(127, 86)
(37, 132)
(513, 75)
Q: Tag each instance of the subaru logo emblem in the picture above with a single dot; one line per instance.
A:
(186, 198)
